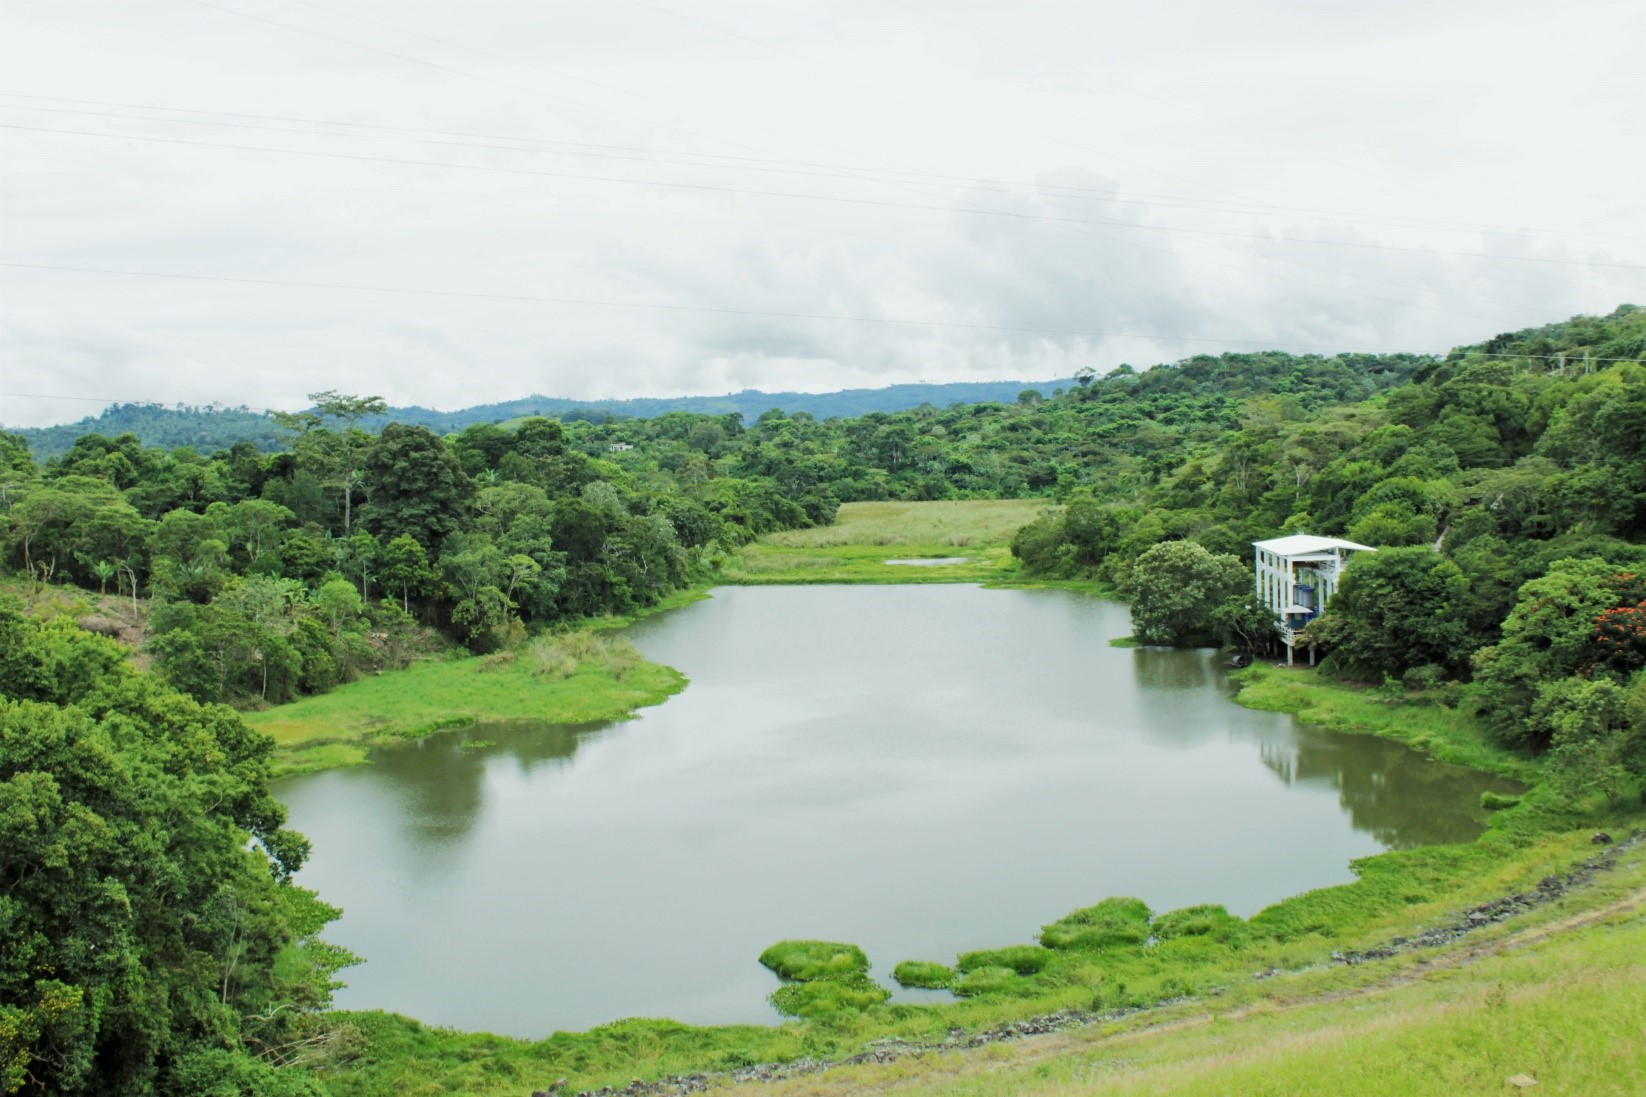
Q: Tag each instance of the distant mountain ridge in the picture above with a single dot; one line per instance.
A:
(209, 429)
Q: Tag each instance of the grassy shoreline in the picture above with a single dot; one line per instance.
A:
(338, 728)
(1421, 721)
(1395, 893)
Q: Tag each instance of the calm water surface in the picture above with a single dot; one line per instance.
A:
(920, 770)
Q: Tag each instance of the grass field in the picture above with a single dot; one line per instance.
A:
(596, 679)
(866, 535)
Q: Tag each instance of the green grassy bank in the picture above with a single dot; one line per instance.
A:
(571, 679)
(1559, 998)
(1428, 721)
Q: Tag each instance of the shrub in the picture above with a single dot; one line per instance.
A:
(1113, 923)
(1177, 587)
(808, 961)
(1022, 959)
(1426, 677)
(923, 974)
(1398, 610)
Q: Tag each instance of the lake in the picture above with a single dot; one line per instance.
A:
(919, 770)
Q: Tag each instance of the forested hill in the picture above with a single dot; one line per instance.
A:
(207, 429)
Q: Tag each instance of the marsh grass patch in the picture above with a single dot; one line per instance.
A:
(924, 975)
(827, 998)
(808, 961)
(1019, 959)
(1208, 920)
(996, 980)
(557, 656)
(1114, 923)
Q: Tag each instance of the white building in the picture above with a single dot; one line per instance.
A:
(1297, 576)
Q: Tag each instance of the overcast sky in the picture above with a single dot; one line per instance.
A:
(1054, 184)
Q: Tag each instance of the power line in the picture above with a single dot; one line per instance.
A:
(639, 155)
(926, 178)
(904, 186)
(464, 72)
(1067, 226)
(977, 211)
(1128, 243)
(558, 74)
(762, 313)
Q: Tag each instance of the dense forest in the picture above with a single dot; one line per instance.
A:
(1504, 485)
(213, 428)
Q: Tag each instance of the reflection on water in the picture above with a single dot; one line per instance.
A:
(921, 770)
(1399, 797)
(1164, 669)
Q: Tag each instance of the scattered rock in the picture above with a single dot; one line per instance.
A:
(1521, 1081)
(1548, 889)
(1601, 838)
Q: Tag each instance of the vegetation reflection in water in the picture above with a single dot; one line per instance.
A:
(920, 770)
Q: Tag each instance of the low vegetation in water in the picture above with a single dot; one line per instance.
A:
(823, 979)
(829, 999)
(804, 961)
(1555, 998)
(923, 975)
(1109, 924)
(1021, 959)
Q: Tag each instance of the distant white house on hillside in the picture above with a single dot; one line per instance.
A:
(1297, 576)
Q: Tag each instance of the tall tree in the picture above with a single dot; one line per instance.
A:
(416, 487)
(152, 935)
(339, 454)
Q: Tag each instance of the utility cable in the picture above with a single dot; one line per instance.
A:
(1168, 201)
(637, 155)
(1016, 215)
(763, 313)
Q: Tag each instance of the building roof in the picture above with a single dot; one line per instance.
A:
(1300, 543)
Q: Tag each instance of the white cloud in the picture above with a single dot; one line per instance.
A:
(1400, 124)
